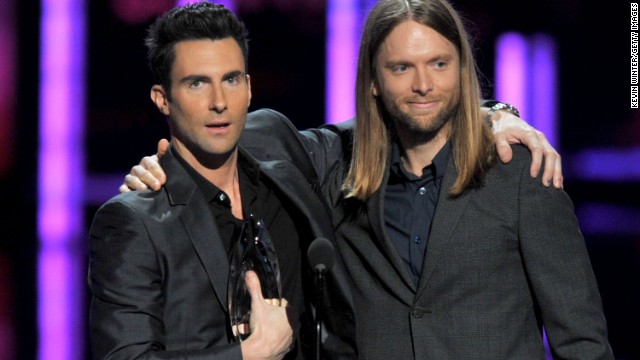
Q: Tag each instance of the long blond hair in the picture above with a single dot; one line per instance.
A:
(472, 140)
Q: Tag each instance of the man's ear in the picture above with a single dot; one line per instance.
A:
(159, 97)
(374, 89)
(249, 90)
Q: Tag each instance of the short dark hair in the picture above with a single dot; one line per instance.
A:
(201, 20)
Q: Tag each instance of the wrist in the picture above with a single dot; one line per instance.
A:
(495, 106)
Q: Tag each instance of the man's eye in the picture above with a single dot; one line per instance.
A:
(400, 68)
(233, 80)
(195, 84)
(441, 64)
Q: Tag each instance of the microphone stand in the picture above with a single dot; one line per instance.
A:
(321, 258)
(319, 275)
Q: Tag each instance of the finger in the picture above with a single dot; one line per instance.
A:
(163, 146)
(132, 182)
(152, 165)
(139, 176)
(284, 302)
(533, 142)
(550, 158)
(123, 188)
(503, 149)
(558, 179)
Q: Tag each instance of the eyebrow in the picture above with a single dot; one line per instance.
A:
(436, 57)
(232, 74)
(444, 56)
(205, 78)
(195, 77)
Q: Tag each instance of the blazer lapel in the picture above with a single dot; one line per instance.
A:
(208, 245)
(375, 212)
(449, 210)
(198, 224)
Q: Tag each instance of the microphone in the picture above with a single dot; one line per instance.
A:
(321, 255)
(321, 258)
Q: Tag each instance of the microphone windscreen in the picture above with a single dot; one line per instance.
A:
(321, 255)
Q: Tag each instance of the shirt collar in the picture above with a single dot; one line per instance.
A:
(210, 191)
(437, 166)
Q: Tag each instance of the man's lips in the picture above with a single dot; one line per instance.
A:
(219, 125)
(218, 128)
(423, 104)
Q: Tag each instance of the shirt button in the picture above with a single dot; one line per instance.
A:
(422, 190)
(418, 240)
(221, 197)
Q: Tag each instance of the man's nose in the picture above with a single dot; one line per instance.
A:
(422, 82)
(218, 100)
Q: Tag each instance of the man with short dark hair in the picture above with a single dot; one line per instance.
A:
(159, 264)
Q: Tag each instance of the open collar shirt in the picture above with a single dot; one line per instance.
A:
(409, 206)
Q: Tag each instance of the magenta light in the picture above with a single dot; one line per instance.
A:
(511, 71)
(526, 77)
(342, 53)
(60, 180)
(542, 79)
(54, 275)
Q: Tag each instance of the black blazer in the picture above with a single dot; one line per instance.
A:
(158, 270)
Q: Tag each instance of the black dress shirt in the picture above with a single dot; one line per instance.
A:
(409, 206)
(285, 225)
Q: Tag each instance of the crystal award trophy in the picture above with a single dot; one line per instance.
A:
(253, 251)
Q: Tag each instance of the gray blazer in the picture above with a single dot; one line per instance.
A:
(503, 260)
(158, 270)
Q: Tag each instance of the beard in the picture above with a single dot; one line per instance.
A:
(420, 127)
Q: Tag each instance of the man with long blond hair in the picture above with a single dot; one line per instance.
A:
(452, 254)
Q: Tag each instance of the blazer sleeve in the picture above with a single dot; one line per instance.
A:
(126, 281)
(269, 135)
(557, 264)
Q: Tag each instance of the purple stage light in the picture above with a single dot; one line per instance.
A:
(511, 71)
(526, 76)
(60, 180)
(343, 17)
(608, 165)
(542, 78)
